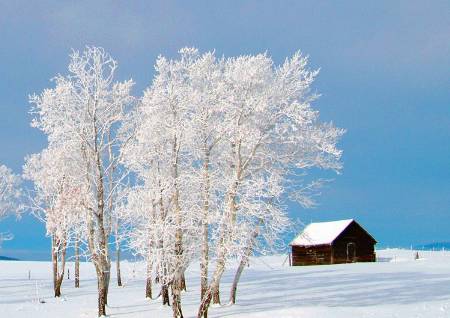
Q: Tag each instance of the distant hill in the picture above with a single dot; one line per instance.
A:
(433, 246)
(5, 258)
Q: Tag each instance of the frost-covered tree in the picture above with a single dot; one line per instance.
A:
(272, 136)
(86, 108)
(57, 201)
(159, 155)
(206, 131)
(10, 195)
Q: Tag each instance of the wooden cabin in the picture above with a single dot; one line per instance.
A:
(334, 242)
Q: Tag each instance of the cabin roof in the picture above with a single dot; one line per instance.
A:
(321, 233)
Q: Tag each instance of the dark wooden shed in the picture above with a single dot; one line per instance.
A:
(334, 242)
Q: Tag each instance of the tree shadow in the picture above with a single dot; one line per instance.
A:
(285, 290)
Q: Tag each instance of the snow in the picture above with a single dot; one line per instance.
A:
(321, 233)
(397, 286)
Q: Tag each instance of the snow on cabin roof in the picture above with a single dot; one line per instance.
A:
(321, 233)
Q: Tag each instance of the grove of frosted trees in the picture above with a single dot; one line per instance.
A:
(198, 170)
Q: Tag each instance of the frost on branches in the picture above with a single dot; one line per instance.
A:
(57, 201)
(10, 195)
(200, 169)
(84, 112)
(159, 155)
(218, 145)
(271, 134)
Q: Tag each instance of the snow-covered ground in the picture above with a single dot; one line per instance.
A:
(397, 286)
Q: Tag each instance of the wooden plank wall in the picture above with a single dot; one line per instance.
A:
(363, 243)
(314, 255)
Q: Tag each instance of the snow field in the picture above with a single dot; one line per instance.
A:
(398, 286)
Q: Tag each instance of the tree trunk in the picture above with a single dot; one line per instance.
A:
(55, 267)
(107, 281)
(206, 301)
(237, 276)
(204, 305)
(100, 262)
(178, 277)
(216, 294)
(59, 263)
(205, 243)
(244, 261)
(58, 283)
(165, 286)
(119, 277)
(204, 265)
(77, 265)
(213, 289)
(101, 295)
(148, 285)
(183, 282)
(165, 295)
(148, 288)
(177, 283)
(101, 229)
(176, 299)
(57, 290)
(98, 234)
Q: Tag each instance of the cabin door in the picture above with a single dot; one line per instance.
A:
(351, 252)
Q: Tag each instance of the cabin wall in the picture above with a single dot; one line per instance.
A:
(314, 255)
(353, 245)
(363, 253)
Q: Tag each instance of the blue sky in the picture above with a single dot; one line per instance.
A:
(385, 77)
